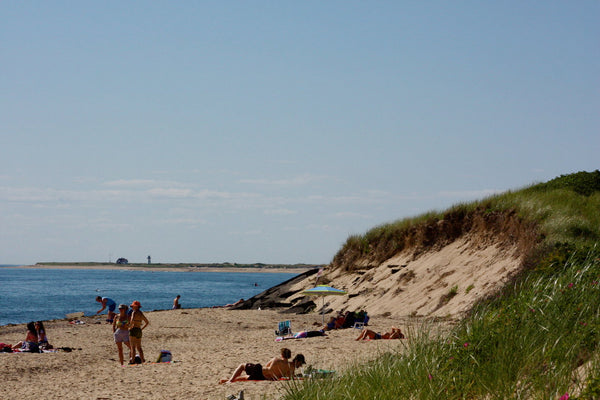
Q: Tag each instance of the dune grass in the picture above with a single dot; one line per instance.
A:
(563, 211)
(536, 340)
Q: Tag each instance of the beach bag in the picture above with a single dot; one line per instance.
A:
(165, 356)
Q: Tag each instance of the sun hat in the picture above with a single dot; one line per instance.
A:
(123, 306)
(136, 304)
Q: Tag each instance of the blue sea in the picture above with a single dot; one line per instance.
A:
(32, 294)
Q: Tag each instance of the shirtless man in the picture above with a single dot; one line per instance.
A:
(136, 319)
(276, 368)
(176, 305)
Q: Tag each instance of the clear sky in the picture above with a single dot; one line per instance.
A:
(270, 131)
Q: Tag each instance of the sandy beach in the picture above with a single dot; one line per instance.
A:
(207, 344)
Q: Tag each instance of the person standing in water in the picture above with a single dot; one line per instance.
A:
(137, 323)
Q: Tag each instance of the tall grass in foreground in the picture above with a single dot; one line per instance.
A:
(536, 340)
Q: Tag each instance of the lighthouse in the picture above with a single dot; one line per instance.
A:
(149, 260)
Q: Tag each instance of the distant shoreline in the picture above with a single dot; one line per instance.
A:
(255, 268)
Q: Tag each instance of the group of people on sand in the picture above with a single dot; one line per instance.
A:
(127, 327)
(35, 339)
(282, 367)
(129, 324)
(346, 320)
(275, 369)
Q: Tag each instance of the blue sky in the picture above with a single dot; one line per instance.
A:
(270, 131)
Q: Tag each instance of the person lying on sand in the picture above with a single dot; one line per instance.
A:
(302, 335)
(275, 369)
(368, 334)
(240, 301)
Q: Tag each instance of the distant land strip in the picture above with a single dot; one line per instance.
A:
(255, 267)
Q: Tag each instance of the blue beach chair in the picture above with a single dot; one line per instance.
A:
(284, 328)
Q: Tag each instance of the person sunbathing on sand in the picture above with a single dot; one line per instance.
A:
(368, 334)
(302, 335)
(31, 339)
(275, 369)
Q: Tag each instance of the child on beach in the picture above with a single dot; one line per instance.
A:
(136, 319)
(121, 332)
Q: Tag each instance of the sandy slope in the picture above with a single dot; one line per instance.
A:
(409, 285)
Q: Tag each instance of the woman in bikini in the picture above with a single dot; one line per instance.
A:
(368, 334)
(136, 319)
(121, 332)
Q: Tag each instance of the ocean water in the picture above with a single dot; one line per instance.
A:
(31, 294)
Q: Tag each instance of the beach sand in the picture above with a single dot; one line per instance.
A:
(207, 345)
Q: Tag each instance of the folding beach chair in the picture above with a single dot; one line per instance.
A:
(284, 328)
(360, 324)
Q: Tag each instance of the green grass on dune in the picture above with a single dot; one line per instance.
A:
(536, 339)
(564, 210)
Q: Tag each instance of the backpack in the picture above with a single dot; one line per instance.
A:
(164, 356)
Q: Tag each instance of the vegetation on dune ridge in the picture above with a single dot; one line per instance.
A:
(537, 219)
(536, 339)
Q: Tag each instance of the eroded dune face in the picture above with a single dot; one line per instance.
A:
(442, 282)
(444, 271)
